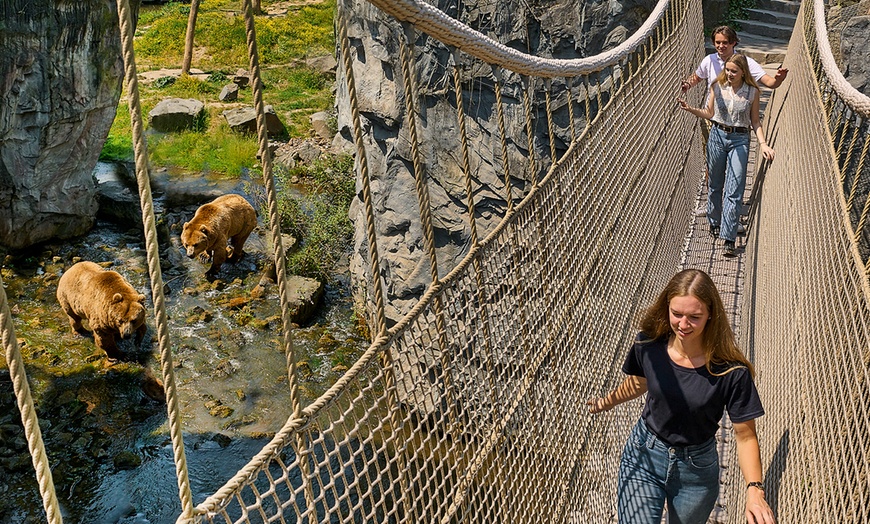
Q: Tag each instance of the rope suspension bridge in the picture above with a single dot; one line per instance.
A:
(536, 317)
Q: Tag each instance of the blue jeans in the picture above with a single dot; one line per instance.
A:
(652, 473)
(727, 158)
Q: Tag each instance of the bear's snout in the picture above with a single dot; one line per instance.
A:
(127, 330)
(191, 252)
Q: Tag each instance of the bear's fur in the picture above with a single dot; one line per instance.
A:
(113, 309)
(228, 219)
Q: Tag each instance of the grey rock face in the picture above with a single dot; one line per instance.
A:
(547, 28)
(856, 52)
(60, 79)
(176, 114)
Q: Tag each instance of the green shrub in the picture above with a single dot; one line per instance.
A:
(319, 219)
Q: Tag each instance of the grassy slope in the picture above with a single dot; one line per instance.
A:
(283, 42)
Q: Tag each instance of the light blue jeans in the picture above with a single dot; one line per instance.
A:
(727, 158)
(652, 473)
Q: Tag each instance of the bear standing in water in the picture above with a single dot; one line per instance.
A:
(113, 309)
(228, 219)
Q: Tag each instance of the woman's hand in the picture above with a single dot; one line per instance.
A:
(757, 509)
(596, 405)
(683, 104)
(767, 152)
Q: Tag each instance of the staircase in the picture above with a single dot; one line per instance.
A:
(765, 33)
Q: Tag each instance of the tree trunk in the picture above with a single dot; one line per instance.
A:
(188, 38)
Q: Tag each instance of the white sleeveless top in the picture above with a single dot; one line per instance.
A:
(732, 108)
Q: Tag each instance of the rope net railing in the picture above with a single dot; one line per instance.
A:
(807, 293)
(471, 408)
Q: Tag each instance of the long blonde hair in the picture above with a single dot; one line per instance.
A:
(741, 62)
(720, 347)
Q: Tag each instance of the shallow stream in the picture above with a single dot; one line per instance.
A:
(107, 441)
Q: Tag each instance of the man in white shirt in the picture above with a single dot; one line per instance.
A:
(724, 40)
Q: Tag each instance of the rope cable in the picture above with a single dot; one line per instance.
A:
(140, 153)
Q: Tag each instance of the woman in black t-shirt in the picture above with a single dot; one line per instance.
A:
(686, 359)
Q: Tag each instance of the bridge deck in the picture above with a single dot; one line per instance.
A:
(707, 253)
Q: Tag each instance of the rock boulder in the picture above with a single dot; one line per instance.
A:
(60, 75)
(177, 114)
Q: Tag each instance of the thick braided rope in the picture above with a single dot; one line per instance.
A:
(272, 203)
(858, 101)
(140, 152)
(28, 413)
(278, 247)
(571, 110)
(454, 33)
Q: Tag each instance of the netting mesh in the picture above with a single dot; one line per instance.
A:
(472, 409)
(807, 295)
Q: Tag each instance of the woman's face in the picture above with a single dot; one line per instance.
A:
(688, 316)
(733, 73)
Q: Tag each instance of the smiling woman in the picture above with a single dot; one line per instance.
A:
(686, 360)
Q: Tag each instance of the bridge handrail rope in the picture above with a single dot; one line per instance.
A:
(434, 22)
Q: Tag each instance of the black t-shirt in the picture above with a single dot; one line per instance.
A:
(684, 405)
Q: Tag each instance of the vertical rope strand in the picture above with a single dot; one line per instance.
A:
(280, 260)
(569, 89)
(28, 413)
(548, 84)
(530, 129)
(411, 91)
(140, 152)
(387, 362)
(496, 73)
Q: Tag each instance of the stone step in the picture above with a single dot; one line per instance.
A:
(762, 49)
(780, 6)
(772, 17)
(772, 31)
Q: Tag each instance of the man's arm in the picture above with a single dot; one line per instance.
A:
(774, 81)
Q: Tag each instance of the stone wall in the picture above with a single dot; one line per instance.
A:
(548, 28)
(60, 75)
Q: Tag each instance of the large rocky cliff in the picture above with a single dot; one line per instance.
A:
(547, 28)
(60, 76)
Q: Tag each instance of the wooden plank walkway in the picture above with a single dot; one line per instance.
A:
(707, 253)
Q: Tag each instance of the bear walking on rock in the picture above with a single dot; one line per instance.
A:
(113, 309)
(228, 219)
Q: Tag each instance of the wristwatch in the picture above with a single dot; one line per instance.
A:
(758, 485)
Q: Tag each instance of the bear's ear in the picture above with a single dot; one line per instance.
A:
(117, 298)
(141, 298)
(184, 226)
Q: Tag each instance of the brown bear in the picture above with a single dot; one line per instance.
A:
(113, 309)
(227, 219)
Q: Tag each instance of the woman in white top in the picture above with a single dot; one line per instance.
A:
(733, 108)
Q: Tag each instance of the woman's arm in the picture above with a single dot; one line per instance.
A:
(749, 459)
(755, 118)
(706, 112)
(631, 388)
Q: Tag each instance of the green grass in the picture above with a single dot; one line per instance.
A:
(294, 90)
